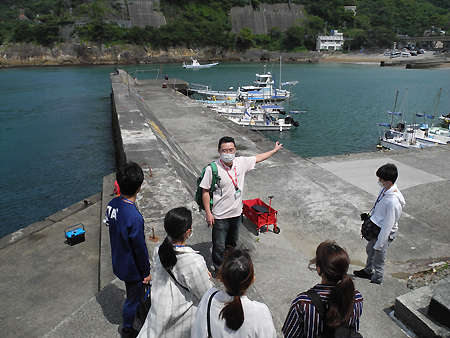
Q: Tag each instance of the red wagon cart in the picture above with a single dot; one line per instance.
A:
(261, 214)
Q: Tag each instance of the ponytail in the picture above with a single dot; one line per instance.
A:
(176, 222)
(333, 262)
(237, 275)
(341, 303)
(167, 254)
(233, 313)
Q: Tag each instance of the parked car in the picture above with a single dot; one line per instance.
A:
(405, 54)
(413, 53)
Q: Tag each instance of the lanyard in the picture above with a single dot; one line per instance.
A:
(128, 201)
(380, 197)
(227, 169)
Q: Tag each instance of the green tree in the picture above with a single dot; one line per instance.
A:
(23, 31)
(255, 4)
(244, 39)
(355, 39)
(381, 37)
(47, 31)
(295, 36)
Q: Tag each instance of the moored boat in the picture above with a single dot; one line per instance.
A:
(262, 90)
(196, 65)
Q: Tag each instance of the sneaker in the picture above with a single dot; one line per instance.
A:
(362, 274)
(379, 283)
(129, 332)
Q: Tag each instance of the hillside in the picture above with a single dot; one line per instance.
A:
(160, 24)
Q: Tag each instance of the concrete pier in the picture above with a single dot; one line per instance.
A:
(173, 138)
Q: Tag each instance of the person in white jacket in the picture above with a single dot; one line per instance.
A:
(180, 278)
(232, 314)
(385, 214)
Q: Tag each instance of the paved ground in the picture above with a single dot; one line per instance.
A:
(50, 288)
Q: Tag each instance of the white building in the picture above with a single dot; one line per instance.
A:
(330, 42)
(351, 8)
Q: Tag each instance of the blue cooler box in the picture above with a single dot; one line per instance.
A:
(75, 234)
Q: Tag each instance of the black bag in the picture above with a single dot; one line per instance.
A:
(369, 230)
(144, 303)
(341, 331)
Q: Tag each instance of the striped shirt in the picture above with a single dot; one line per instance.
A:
(304, 321)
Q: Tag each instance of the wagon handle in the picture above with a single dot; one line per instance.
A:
(270, 204)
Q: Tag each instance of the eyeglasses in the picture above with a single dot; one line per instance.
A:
(229, 151)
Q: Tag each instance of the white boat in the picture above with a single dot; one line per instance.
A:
(196, 65)
(262, 90)
(410, 136)
(264, 120)
(394, 139)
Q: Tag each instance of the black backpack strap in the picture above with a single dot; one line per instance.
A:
(317, 302)
(173, 277)
(208, 317)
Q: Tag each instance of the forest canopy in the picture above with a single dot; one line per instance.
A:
(202, 23)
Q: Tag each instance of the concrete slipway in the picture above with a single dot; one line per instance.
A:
(50, 289)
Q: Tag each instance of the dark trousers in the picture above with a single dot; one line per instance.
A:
(134, 291)
(225, 234)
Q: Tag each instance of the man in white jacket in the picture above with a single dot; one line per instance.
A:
(385, 214)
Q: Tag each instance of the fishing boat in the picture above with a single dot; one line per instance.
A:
(263, 89)
(196, 65)
(410, 136)
(263, 120)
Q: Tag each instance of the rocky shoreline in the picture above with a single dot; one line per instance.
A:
(24, 54)
(75, 53)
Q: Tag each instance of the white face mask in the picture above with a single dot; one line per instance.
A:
(380, 184)
(192, 232)
(227, 158)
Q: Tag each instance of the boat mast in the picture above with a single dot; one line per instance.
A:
(437, 105)
(395, 106)
(279, 80)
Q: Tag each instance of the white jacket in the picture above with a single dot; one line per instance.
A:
(386, 214)
(173, 309)
(258, 321)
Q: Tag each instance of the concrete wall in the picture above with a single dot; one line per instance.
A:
(260, 21)
(142, 13)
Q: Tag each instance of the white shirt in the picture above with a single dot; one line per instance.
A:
(386, 214)
(226, 203)
(173, 309)
(257, 319)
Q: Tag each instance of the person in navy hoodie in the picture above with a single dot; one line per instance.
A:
(128, 248)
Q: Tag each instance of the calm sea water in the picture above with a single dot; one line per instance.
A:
(55, 140)
(55, 126)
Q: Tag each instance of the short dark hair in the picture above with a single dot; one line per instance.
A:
(130, 177)
(388, 172)
(226, 139)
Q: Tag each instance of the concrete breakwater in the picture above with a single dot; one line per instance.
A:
(316, 199)
(173, 137)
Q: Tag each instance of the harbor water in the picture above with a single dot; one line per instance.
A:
(55, 125)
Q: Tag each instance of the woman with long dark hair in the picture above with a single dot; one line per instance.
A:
(336, 290)
(180, 278)
(230, 312)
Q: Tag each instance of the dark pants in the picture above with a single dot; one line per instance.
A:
(134, 291)
(225, 234)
